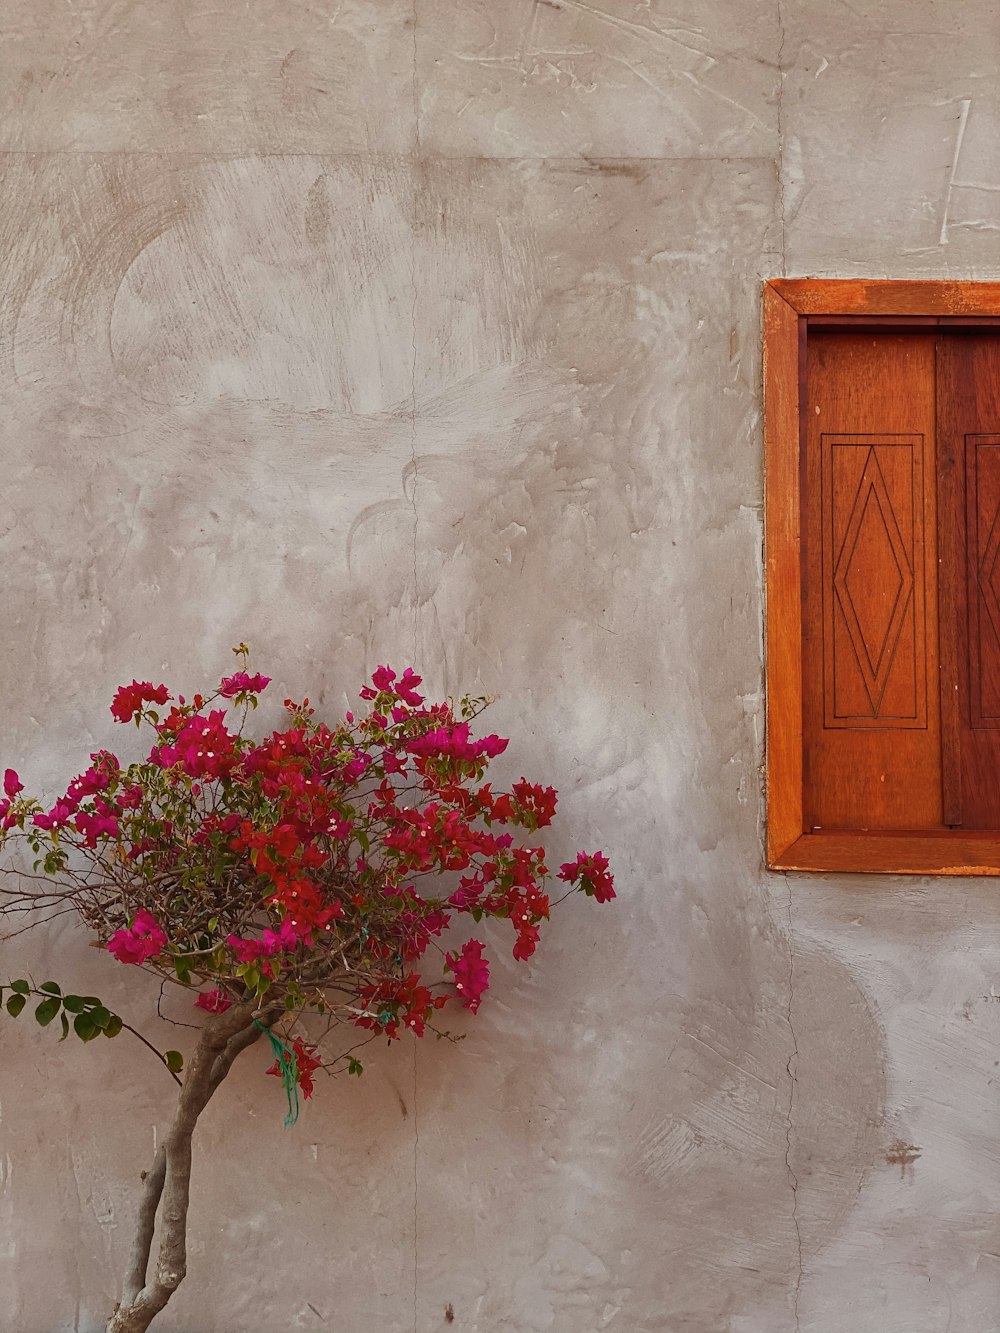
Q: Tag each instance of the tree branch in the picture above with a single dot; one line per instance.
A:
(222, 1039)
(138, 1260)
(158, 1054)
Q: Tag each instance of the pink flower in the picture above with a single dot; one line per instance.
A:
(143, 939)
(241, 683)
(203, 747)
(88, 783)
(282, 940)
(456, 742)
(472, 973)
(130, 698)
(384, 681)
(406, 691)
(245, 951)
(60, 814)
(591, 869)
(213, 1001)
(94, 826)
(491, 746)
(11, 783)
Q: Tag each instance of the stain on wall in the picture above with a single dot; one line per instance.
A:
(428, 332)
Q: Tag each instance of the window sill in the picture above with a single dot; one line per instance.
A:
(852, 851)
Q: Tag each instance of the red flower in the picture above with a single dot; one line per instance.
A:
(11, 783)
(472, 973)
(143, 939)
(393, 1002)
(591, 869)
(306, 1063)
(203, 747)
(130, 698)
(538, 803)
(382, 680)
(94, 826)
(213, 1001)
(406, 691)
(455, 742)
(241, 683)
(58, 816)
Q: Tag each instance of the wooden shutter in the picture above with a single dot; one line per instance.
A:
(871, 719)
(969, 488)
(882, 543)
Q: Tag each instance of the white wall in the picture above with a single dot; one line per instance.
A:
(428, 331)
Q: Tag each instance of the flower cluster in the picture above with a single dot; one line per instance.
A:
(143, 940)
(307, 1062)
(315, 869)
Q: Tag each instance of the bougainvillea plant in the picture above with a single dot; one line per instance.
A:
(301, 888)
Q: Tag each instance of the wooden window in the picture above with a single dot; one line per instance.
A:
(882, 532)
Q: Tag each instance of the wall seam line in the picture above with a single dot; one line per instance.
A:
(791, 1067)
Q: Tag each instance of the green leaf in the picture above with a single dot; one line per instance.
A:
(113, 1026)
(15, 1004)
(100, 1017)
(74, 1004)
(355, 1066)
(174, 1061)
(65, 1026)
(84, 1028)
(21, 987)
(47, 1010)
(51, 987)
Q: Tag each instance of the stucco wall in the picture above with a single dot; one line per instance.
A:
(428, 331)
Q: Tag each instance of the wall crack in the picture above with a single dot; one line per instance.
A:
(781, 133)
(791, 1068)
(414, 348)
(416, 594)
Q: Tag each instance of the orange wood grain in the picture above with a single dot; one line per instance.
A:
(872, 735)
(944, 853)
(787, 305)
(969, 468)
(865, 296)
(783, 573)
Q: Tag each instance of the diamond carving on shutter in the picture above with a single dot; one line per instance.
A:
(874, 616)
(873, 626)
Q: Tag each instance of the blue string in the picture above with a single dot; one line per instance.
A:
(289, 1070)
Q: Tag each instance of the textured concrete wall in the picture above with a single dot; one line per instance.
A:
(428, 331)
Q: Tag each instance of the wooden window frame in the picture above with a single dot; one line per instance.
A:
(791, 305)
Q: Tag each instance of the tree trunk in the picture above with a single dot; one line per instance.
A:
(167, 1184)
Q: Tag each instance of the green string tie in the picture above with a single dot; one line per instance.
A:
(289, 1070)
